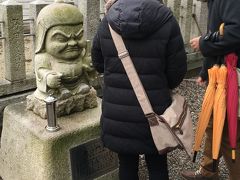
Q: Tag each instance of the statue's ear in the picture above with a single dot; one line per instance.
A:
(40, 37)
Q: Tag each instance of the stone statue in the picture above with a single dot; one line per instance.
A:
(62, 61)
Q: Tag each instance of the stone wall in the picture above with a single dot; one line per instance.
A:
(192, 18)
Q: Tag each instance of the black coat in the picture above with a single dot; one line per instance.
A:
(153, 38)
(221, 11)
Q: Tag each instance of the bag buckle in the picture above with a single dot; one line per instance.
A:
(152, 119)
(123, 55)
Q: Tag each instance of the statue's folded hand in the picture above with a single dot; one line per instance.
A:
(54, 80)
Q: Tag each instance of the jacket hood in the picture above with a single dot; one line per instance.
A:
(137, 18)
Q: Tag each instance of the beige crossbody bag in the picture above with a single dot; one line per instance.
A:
(173, 129)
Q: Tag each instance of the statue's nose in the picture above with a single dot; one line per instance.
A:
(72, 42)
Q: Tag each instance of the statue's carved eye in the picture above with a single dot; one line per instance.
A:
(60, 38)
(79, 35)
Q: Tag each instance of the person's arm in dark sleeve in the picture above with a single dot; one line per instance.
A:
(203, 73)
(230, 41)
(176, 57)
(208, 62)
(97, 57)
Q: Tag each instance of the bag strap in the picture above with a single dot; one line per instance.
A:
(133, 77)
(138, 88)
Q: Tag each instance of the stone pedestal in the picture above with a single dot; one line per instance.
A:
(29, 152)
(71, 104)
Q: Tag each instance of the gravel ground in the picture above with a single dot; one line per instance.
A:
(177, 160)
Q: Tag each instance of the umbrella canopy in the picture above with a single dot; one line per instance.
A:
(232, 100)
(219, 111)
(206, 111)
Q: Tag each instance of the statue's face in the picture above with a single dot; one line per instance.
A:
(65, 42)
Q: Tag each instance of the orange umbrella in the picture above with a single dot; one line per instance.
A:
(219, 112)
(206, 111)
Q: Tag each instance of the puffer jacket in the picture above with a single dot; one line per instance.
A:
(227, 12)
(153, 39)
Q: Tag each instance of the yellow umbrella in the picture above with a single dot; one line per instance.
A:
(219, 112)
(206, 111)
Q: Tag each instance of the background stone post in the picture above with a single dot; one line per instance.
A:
(90, 10)
(102, 3)
(35, 7)
(176, 9)
(187, 25)
(12, 14)
(203, 17)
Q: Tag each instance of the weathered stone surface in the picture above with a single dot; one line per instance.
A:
(194, 60)
(75, 103)
(14, 43)
(98, 161)
(29, 152)
(62, 61)
(110, 176)
(183, 11)
(4, 101)
(8, 88)
(203, 17)
(91, 11)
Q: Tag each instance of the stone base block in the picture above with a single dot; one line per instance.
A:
(29, 152)
(74, 103)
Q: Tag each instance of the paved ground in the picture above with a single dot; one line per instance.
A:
(178, 160)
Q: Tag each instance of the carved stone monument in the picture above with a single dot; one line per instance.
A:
(62, 62)
(63, 70)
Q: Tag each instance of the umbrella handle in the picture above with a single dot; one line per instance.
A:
(220, 60)
(195, 156)
(221, 29)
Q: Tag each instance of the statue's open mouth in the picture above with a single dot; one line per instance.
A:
(72, 49)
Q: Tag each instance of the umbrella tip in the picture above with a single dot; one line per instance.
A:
(195, 156)
(233, 155)
(215, 164)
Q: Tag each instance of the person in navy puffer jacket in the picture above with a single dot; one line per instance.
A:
(154, 41)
